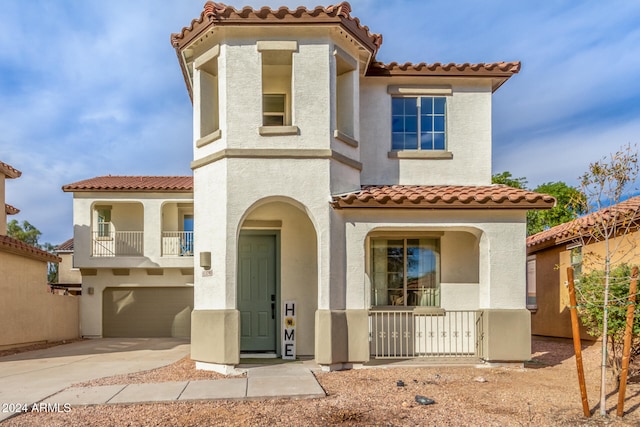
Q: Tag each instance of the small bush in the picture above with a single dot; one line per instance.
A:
(590, 296)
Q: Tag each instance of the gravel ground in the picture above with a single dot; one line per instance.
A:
(544, 393)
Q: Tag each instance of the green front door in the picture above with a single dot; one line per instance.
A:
(257, 292)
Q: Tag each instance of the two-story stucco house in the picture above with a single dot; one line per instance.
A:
(358, 191)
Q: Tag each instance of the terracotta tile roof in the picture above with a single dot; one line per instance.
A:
(10, 210)
(18, 247)
(498, 71)
(443, 197)
(133, 183)
(219, 14)
(66, 246)
(9, 171)
(624, 211)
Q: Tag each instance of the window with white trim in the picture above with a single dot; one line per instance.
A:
(405, 271)
(418, 122)
(104, 221)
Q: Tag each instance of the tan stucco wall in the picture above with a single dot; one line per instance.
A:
(3, 213)
(624, 249)
(553, 317)
(66, 272)
(506, 335)
(28, 311)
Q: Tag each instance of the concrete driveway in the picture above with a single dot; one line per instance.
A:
(32, 376)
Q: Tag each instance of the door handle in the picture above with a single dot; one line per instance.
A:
(273, 310)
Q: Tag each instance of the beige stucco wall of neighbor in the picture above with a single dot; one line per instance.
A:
(3, 213)
(67, 273)
(99, 279)
(29, 313)
(468, 127)
(130, 212)
(552, 317)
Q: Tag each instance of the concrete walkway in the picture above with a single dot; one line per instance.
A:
(290, 380)
(44, 376)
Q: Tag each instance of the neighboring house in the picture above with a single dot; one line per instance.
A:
(358, 191)
(69, 277)
(29, 313)
(133, 243)
(551, 252)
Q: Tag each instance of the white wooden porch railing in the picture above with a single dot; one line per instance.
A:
(118, 243)
(178, 243)
(401, 334)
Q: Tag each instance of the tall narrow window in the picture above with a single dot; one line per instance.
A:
(576, 261)
(532, 302)
(418, 123)
(276, 88)
(277, 94)
(208, 96)
(345, 91)
(405, 272)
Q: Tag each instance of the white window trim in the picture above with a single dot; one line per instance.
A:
(420, 90)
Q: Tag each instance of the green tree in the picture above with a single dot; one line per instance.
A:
(25, 232)
(604, 185)
(570, 204)
(507, 179)
(568, 207)
(30, 234)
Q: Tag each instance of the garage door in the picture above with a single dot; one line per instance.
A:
(147, 312)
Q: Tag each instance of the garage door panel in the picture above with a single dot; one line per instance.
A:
(147, 312)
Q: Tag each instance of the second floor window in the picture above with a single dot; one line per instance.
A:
(418, 123)
(104, 222)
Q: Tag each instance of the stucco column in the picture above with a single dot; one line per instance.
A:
(215, 322)
(152, 228)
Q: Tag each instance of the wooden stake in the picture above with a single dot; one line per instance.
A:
(628, 332)
(575, 328)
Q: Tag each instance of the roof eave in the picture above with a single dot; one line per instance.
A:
(338, 204)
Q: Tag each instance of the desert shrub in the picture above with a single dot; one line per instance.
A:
(589, 293)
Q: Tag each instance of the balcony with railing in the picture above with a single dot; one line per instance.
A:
(402, 334)
(177, 243)
(107, 243)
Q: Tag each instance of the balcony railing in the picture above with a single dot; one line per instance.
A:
(118, 243)
(401, 334)
(177, 243)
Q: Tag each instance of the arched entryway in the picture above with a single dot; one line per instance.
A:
(277, 263)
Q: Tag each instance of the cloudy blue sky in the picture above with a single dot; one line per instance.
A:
(90, 88)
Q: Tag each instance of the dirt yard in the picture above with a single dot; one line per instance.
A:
(544, 393)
